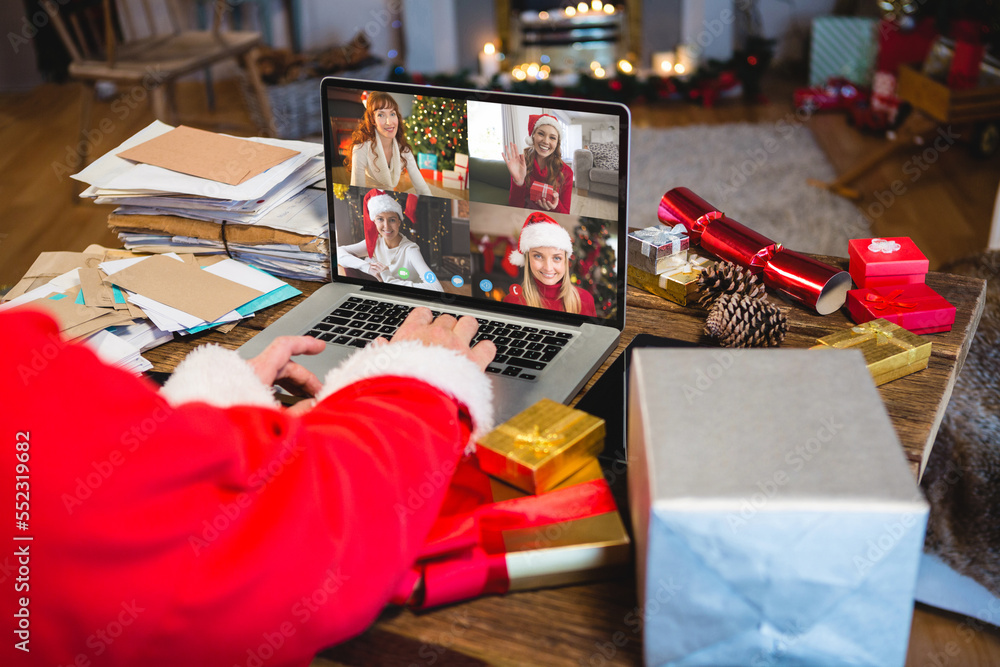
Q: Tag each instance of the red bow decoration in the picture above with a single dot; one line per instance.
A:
(818, 285)
(880, 302)
(464, 555)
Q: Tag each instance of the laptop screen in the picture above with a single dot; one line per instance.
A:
(489, 199)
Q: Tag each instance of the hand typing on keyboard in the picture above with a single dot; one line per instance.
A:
(275, 366)
(445, 331)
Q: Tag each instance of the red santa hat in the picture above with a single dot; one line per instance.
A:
(540, 231)
(536, 120)
(378, 201)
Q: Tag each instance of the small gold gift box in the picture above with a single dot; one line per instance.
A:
(677, 284)
(890, 350)
(540, 447)
(569, 552)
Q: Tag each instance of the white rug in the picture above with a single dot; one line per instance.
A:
(755, 174)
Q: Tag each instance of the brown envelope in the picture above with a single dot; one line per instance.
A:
(185, 287)
(96, 292)
(66, 311)
(208, 155)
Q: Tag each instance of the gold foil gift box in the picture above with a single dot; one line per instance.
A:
(541, 446)
(678, 284)
(890, 351)
(568, 552)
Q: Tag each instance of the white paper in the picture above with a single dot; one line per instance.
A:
(58, 284)
(239, 272)
(112, 172)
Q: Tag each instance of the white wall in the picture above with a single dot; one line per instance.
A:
(791, 22)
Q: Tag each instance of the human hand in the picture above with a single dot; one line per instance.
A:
(446, 332)
(515, 163)
(375, 268)
(275, 366)
(551, 203)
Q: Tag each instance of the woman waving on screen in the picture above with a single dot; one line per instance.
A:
(538, 176)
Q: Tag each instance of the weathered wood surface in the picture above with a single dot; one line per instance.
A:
(599, 623)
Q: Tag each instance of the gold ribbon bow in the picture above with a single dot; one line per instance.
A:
(881, 335)
(540, 444)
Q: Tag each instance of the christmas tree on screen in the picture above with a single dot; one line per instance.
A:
(594, 265)
(437, 126)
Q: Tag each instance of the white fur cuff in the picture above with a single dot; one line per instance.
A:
(449, 371)
(217, 376)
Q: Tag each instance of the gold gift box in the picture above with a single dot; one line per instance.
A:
(890, 350)
(540, 447)
(567, 552)
(678, 284)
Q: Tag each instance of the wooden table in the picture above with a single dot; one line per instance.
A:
(599, 624)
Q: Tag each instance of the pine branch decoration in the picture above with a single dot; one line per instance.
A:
(738, 320)
(728, 278)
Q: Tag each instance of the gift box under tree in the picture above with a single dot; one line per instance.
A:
(842, 46)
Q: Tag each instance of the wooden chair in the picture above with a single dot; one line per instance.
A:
(154, 61)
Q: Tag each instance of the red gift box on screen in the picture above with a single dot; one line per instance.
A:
(879, 262)
(492, 538)
(917, 308)
(540, 191)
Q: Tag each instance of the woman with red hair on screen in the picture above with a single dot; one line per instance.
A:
(538, 176)
(547, 247)
(380, 151)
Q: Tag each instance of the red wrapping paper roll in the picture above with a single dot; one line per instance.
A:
(818, 285)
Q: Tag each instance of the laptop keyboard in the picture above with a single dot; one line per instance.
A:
(522, 351)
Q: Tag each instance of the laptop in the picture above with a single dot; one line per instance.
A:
(465, 223)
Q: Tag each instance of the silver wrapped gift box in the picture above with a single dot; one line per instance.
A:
(776, 519)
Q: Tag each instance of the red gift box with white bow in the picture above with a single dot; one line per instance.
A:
(879, 262)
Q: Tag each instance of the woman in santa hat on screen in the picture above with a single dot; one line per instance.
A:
(380, 150)
(546, 247)
(540, 165)
(386, 253)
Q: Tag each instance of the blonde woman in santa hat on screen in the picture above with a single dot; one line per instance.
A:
(546, 248)
(380, 149)
(386, 250)
(540, 163)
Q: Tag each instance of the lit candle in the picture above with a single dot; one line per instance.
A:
(488, 63)
(686, 60)
(663, 63)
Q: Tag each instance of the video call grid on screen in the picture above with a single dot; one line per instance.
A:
(464, 229)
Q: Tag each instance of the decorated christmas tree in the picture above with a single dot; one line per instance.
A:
(438, 126)
(594, 268)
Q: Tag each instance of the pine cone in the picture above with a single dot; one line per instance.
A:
(738, 320)
(728, 278)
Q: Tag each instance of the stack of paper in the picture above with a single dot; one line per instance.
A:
(186, 190)
(122, 307)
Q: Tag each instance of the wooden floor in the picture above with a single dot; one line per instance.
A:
(946, 208)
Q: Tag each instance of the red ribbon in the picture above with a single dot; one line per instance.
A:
(879, 302)
(464, 556)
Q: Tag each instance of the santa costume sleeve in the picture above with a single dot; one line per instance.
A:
(203, 524)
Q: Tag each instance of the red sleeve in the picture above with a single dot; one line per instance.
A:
(586, 302)
(515, 298)
(566, 191)
(193, 534)
(519, 194)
